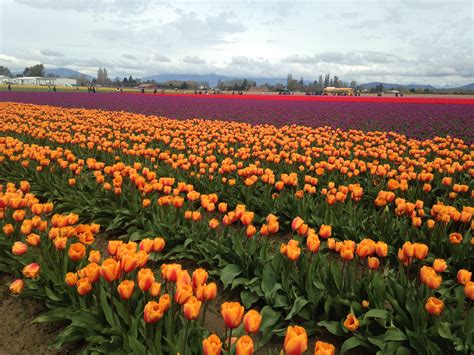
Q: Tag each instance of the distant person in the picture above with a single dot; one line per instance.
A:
(155, 91)
(54, 88)
(94, 90)
(118, 89)
(77, 88)
(49, 88)
(121, 90)
(9, 87)
(143, 91)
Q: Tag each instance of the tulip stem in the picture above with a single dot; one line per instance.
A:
(186, 337)
(230, 339)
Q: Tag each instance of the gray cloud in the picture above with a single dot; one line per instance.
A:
(161, 58)
(51, 53)
(193, 60)
(129, 56)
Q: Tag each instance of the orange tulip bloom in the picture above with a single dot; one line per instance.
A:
(199, 277)
(165, 302)
(8, 229)
(244, 346)
(373, 263)
(94, 256)
(464, 276)
(31, 271)
(155, 289)
(313, 243)
(455, 238)
(212, 345)
(84, 286)
(92, 272)
(129, 262)
(252, 321)
(296, 340)
(125, 289)
(191, 308)
(420, 250)
(469, 290)
(110, 270)
(440, 265)
(183, 293)
(152, 312)
(351, 322)
(323, 348)
(71, 279)
(232, 313)
(19, 248)
(77, 251)
(210, 291)
(113, 246)
(325, 231)
(296, 223)
(146, 245)
(145, 278)
(17, 286)
(434, 306)
(158, 244)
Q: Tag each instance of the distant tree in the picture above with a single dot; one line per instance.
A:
(326, 81)
(106, 76)
(353, 84)
(320, 85)
(245, 84)
(184, 86)
(301, 81)
(336, 82)
(35, 70)
(5, 71)
(289, 80)
(100, 76)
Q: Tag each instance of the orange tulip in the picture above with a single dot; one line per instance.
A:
(420, 250)
(212, 345)
(113, 246)
(325, 231)
(125, 289)
(8, 229)
(60, 243)
(77, 251)
(17, 286)
(71, 279)
(155, 289)
(440, 265)
(373, 263)
(152, 312)
(455, 238)
(191, 308)
(92, 272)
(19, 248)
(183, 293)
(296, 340)
(244, 346)
(199, 277)
(323, 348)
(158, 244)
(110, 270)
(464, 276)
(31, 271)
(210, 291)
(84, 286)
(313, 243)
(469, 290)
(94, 256)
(296, 223)
(129, 262)
(434, 306)
(252, 321)
(351, 322)
(165, 302)
(145, 278)
(232, 313)
(213, 223)
(146, 245)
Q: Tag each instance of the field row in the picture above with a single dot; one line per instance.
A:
(358, 233)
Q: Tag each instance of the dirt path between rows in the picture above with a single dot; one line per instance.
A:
(18, 335)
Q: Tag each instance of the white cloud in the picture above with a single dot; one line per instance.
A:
(400, 40)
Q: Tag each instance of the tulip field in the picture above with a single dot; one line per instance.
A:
(337, 227)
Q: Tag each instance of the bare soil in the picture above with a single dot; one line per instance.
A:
(18, 335)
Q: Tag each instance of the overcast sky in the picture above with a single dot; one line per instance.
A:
(404, 41)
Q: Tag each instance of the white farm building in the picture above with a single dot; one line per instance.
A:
(39, 80)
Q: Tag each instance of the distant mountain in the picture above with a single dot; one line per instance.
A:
(396, 86)
(466, 87)
(212, 79)
(66, 73)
